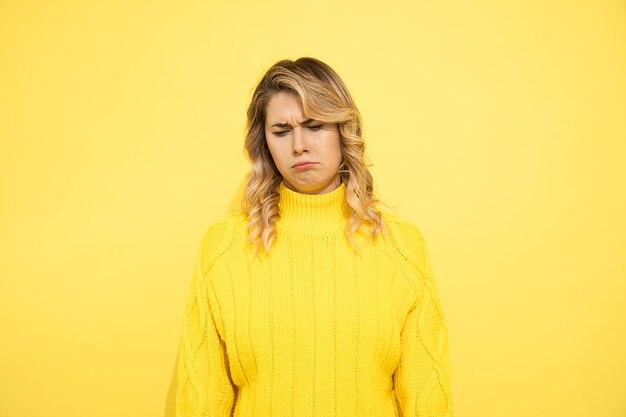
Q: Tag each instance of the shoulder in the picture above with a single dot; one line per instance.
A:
(220, 237)
(406, 235)
(402, 225)
(407, 241)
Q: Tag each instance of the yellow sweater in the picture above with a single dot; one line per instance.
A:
(313, 329)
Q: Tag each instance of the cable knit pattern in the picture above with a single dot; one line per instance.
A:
(313, 328)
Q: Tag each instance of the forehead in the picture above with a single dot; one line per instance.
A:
(283, 107)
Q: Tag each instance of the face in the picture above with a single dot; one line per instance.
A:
(291, 140)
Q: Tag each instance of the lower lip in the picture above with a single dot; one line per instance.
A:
(304, 166)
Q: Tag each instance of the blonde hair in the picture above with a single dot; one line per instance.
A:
(324, 97)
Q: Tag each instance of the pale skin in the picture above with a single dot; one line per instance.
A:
(292, 139)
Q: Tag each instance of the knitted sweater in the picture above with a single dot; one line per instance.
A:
(313, 328)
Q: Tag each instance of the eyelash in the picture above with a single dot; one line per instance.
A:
(314, 128)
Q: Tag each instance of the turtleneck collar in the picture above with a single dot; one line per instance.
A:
(312, 214)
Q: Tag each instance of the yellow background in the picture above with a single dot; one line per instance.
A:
(498, 127)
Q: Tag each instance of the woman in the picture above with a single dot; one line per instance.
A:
(311, 301)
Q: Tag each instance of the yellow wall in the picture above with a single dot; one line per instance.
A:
(499, 128)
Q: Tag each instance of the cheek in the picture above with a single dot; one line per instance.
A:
(271, 145)
(278, 154)
(334, 146)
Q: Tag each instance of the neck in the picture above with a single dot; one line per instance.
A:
(312, 214)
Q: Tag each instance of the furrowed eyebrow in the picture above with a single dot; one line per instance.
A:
(303, 123)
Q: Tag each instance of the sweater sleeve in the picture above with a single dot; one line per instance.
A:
(204, 387)
(422, 378)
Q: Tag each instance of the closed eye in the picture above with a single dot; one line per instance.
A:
(312, 128)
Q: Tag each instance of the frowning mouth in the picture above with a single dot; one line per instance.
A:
(304, 164)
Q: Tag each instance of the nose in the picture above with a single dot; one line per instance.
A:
(298, 140)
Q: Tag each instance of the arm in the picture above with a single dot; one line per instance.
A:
(422, 378)
(204, 384)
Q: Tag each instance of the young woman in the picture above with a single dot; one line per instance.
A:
(311, 301)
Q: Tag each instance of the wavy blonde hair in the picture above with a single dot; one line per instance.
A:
(325, 98)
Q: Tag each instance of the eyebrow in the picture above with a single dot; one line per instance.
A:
(305, 122)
